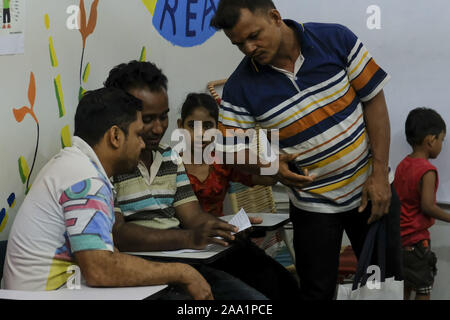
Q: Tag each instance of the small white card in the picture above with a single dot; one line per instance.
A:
(240, 220)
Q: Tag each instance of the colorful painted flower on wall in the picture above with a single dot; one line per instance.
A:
(183, 23)
(20, 114)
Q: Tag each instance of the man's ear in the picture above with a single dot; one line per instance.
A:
(115, 137)
(180, 124)
(275, 15)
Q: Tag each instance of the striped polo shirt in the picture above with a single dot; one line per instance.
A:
(317, 110)
(149, 197)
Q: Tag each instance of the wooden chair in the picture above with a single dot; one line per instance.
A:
(212, 88)
(253, 200)
(258, 199)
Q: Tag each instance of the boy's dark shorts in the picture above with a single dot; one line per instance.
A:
(419, 264)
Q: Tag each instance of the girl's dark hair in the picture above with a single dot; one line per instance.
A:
(196, 100)
(422, 122)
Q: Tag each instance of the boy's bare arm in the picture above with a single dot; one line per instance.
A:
(429, 206)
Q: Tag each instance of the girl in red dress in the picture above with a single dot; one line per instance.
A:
(211, 182)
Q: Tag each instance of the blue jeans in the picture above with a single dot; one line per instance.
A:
(223, 287)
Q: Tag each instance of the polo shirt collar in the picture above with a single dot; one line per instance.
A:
(300, 31)
(87, 150)
(149, 176)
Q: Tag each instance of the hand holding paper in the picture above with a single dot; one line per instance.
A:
(240, 220)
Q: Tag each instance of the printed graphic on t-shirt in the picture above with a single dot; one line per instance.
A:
(88, 210)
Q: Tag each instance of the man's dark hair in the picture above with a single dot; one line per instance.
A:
(229, 11)
(422, 122)
(137, 75)
(101, 109)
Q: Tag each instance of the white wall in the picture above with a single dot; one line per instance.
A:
(411, 45)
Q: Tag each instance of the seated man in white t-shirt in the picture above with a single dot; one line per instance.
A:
(68, 215)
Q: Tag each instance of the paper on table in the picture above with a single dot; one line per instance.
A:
(240, 220)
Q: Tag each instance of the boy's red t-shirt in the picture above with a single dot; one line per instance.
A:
(414, 223)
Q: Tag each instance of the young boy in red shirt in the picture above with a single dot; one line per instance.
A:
(416, 182)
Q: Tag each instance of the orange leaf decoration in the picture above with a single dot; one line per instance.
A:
(32, 90)
(87, 29)
(83, 22)
(19, 114)
(92, 18)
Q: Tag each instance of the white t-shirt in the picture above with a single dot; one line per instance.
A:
(69, 208)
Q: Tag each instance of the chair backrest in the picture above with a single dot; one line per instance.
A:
(3, 245)
(253, 200)
(212, 88)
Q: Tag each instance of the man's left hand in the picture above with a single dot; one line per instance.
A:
(378, 190)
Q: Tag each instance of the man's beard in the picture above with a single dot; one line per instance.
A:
(126, 165)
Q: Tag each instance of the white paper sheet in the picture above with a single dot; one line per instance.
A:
(240, 220)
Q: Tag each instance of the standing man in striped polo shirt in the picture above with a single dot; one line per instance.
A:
(320, 88)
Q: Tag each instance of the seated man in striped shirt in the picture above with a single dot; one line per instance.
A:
(65, 222)
(157, 198)
(319, 88)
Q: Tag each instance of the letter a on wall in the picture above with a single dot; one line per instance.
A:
(184, 23)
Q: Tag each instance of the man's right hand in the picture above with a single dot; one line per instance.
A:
(212, 231)
(289, 178)
(194, 283)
